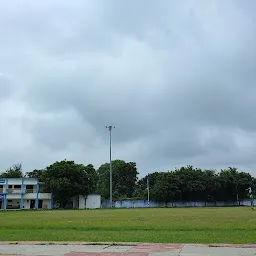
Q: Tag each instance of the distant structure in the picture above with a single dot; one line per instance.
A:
(92, 201)
(23, 193)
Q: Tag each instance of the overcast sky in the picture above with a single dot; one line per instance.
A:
(176, 78)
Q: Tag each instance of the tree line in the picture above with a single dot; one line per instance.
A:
(66, 179)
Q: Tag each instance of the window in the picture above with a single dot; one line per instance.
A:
(9, 201)
(17, 186)
(29, 186)
(1, 186)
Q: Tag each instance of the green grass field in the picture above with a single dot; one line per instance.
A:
(173, 225)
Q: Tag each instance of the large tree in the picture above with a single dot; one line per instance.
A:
(13, 172)
(233, 184)
(166, 187)
(191, 185)
(124, 179)
(37, 174)
(67, 179)
(211, 186)
(142, 184)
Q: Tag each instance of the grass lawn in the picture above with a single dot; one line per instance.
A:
(170, 225)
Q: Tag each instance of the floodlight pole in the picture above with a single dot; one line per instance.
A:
(110, 127)
(148, 190)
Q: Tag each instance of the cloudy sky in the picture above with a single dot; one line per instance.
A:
(176, 78)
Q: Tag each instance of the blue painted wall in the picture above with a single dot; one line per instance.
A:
(144, 204)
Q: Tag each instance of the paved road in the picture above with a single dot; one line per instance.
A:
(71, 249)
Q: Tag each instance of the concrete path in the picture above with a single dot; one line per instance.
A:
(138, 249)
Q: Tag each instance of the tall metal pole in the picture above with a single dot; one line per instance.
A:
(148, 190)
(110, 164)
(110, 168)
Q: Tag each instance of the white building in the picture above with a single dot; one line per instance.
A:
(92, 201)
(23, 193)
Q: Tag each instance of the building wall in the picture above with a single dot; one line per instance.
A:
(93, 202)
(75, 201)
(26, 204)
(45, 196)
(13, 204)
(89, 202)
(28, 188)
(30, 181)
(30, 196)
(13, 196)
(24, 189)
(14, 181)
(46, 204)
(81, 202)
(145, 203)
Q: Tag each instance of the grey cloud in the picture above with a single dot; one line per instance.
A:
(168, 146)
(6, 86)
(165, 74)
(58, 131)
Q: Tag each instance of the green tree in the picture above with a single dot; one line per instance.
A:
(13, 172)
(166, 187)
(191, 185)
(92, 178)
(124, 179)
(245, 180)
(37, 174)
(233, 184)
(211, 182)
(67, 179)
(103, 181)
(141, 186)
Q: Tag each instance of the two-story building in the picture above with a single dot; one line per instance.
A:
(23, 193)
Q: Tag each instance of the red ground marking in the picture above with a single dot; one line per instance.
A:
(106, 254)
(156, 247)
